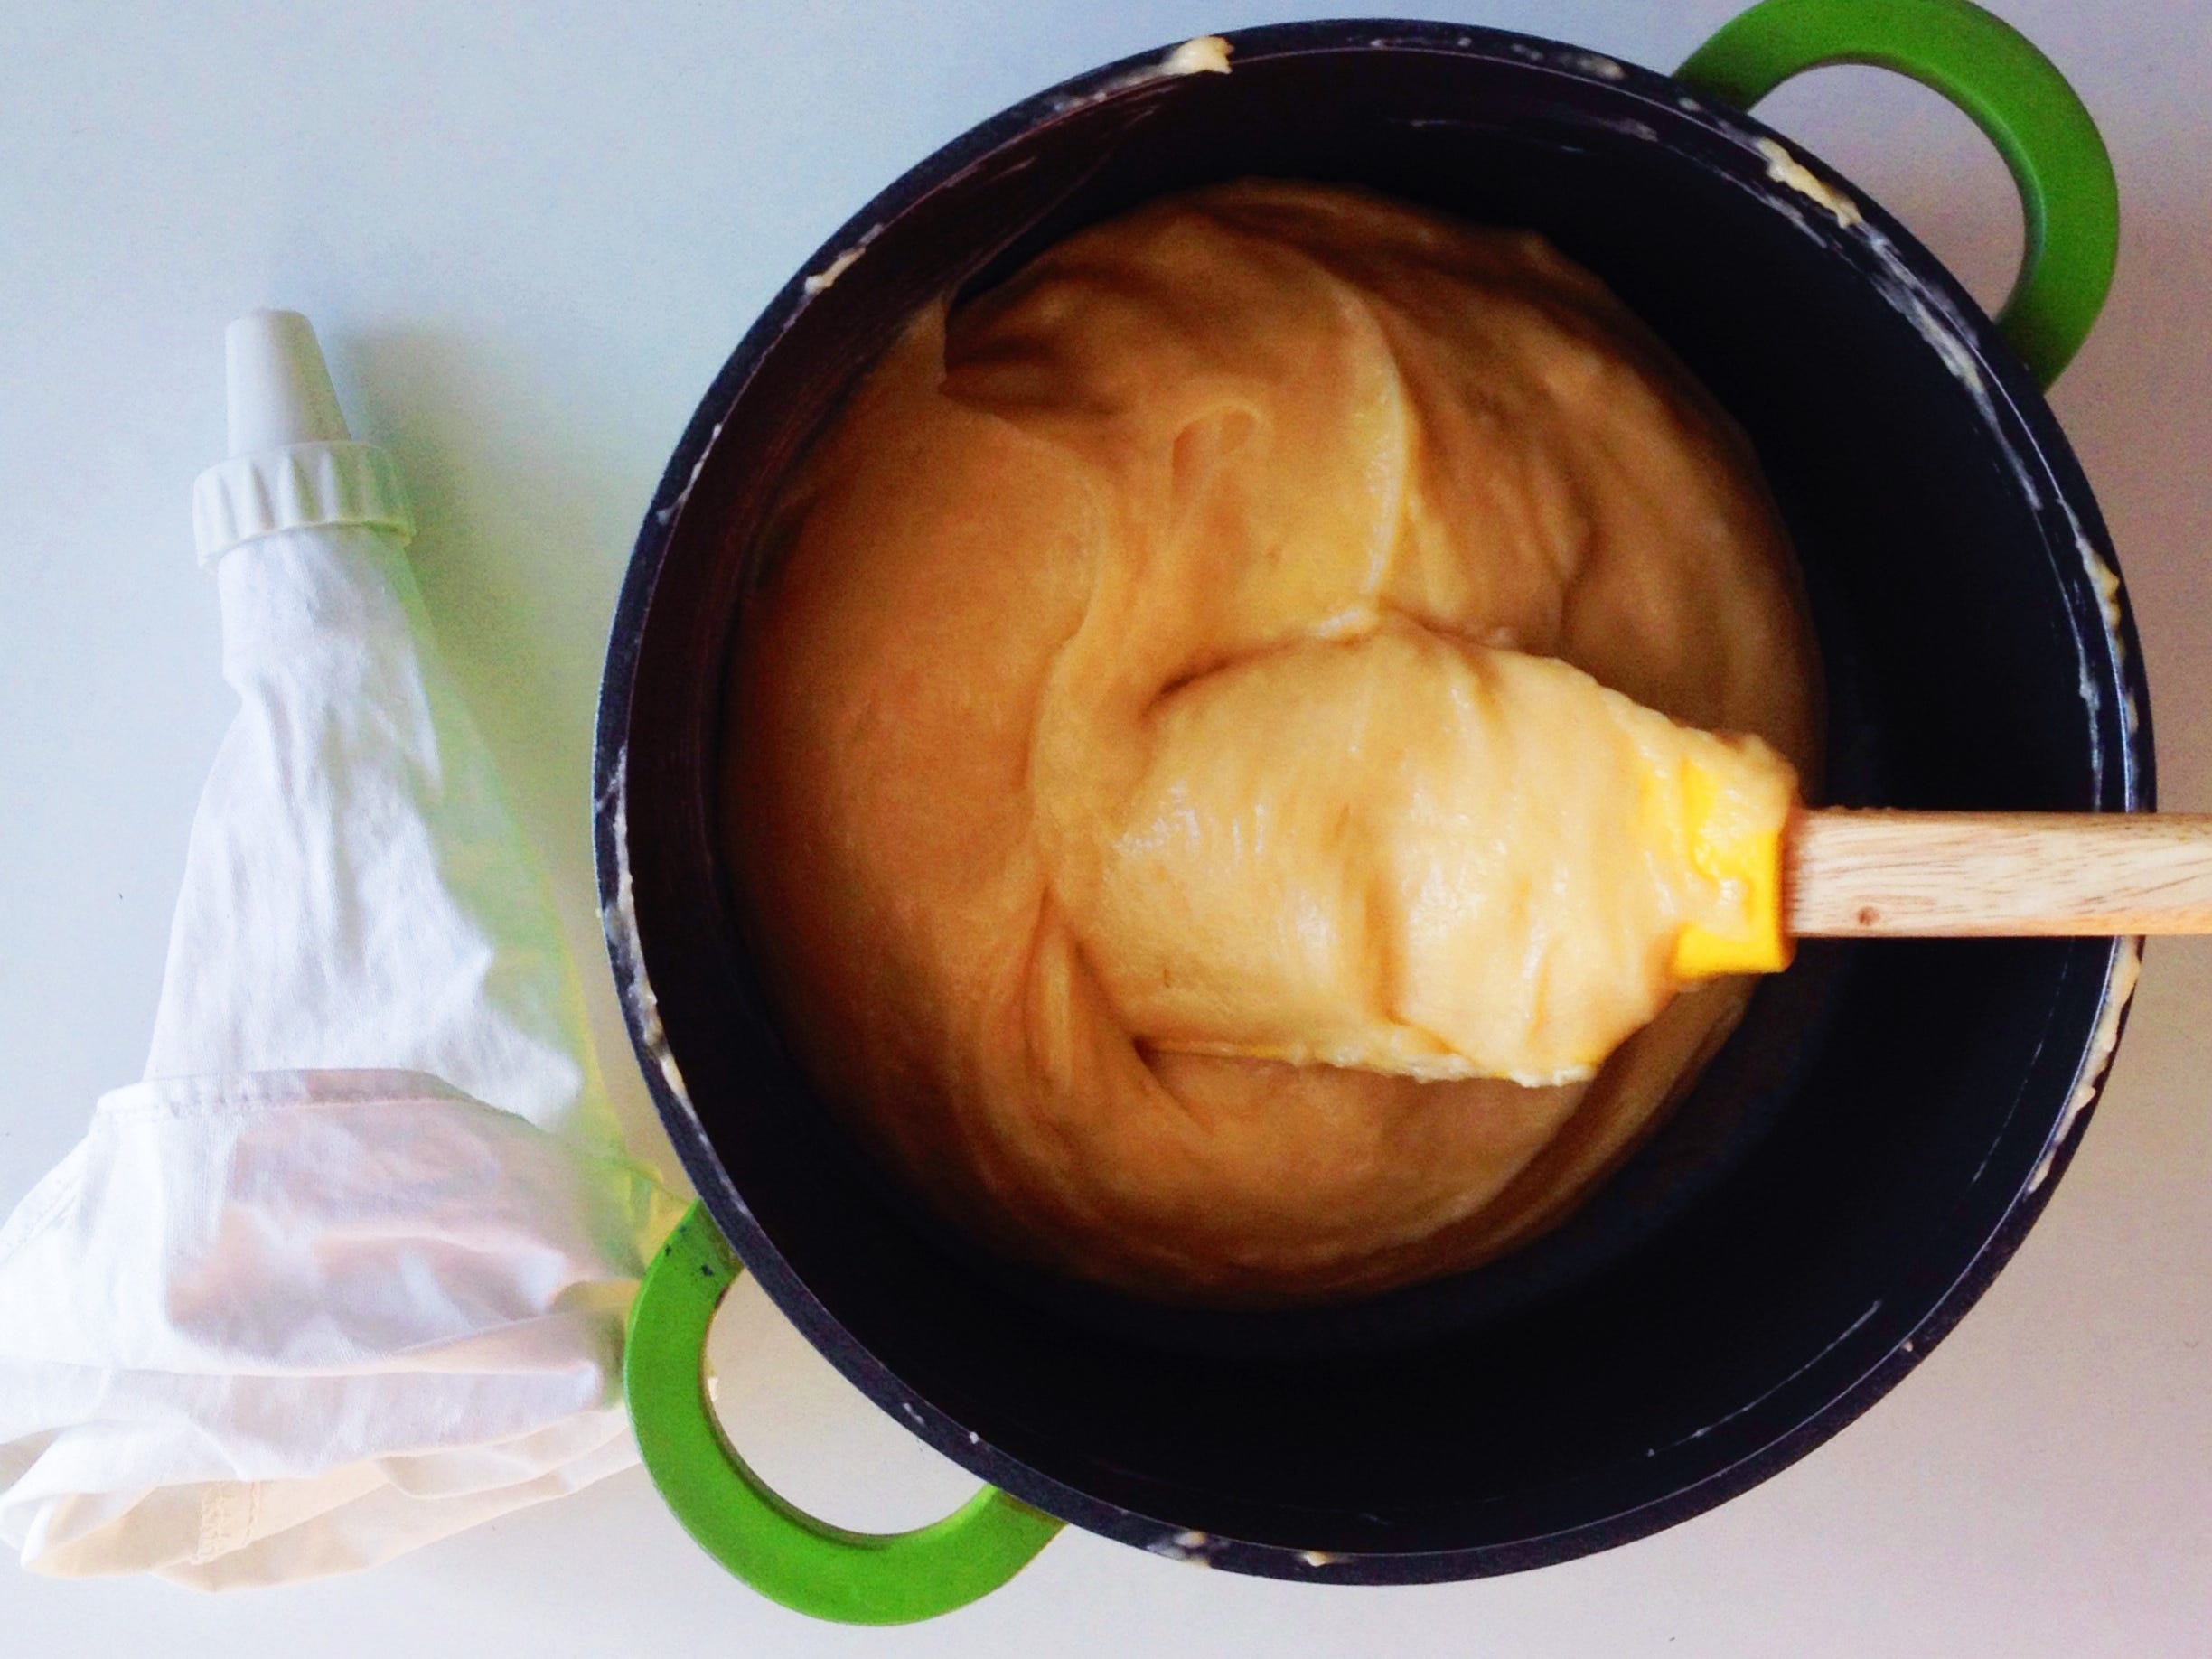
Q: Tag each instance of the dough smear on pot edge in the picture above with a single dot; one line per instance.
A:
(1165, 777)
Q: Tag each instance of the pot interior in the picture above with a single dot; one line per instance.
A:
(1849, 1172)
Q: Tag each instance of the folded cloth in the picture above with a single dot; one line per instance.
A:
(348, 1271)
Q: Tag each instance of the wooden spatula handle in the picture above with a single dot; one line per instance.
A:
(1856, 874)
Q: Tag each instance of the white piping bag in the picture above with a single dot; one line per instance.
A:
(348, 1271)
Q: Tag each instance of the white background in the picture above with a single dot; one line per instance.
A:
(528, 236)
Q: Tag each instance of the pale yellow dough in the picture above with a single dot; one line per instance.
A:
(1194, 744)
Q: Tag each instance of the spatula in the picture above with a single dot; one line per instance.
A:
(1864, 874)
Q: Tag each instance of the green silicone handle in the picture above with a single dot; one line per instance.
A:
(2013, 93)
(787, 1555)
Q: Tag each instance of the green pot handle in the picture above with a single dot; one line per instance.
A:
(2013, 93)
(786, 1554)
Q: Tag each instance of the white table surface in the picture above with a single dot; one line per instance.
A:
(528, 235)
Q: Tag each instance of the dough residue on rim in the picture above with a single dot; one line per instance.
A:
(1208, 54)
(619, 917)
(2119, 990)
(1786, 170)
(823, 279)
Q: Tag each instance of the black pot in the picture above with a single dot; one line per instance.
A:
(1846, 1178)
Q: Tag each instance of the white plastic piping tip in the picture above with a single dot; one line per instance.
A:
(280, 390)
(293, 463)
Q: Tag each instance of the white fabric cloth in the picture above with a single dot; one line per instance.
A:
(348, 1271)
